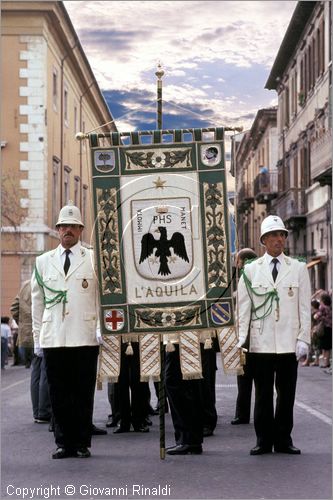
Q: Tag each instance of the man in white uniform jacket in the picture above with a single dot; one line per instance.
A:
(64, 321)
(274, 301)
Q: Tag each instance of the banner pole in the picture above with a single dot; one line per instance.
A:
(161, 393)
(161, 400)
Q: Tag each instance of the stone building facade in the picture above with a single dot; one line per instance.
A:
(49, 93)
(300, 170)
(302, 77)
(254, 165)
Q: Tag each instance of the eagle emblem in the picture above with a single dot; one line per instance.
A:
(162, 246)
(162, 238)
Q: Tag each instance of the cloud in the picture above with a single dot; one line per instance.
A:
(232, 44)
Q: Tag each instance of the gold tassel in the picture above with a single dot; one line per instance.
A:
(129, 349)
(170, 347)
(208, 344)
(99, 384)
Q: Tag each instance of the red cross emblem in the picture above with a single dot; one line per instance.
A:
(114, 319)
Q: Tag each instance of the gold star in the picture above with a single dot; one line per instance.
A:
(159, 183)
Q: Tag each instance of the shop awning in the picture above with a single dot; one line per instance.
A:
(313, 263)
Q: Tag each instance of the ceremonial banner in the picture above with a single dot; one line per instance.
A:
(162, 231)
(190, 356)
(109, 360)
(150, 363)
(231, 360)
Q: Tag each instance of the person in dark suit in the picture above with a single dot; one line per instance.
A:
(209, 367)
(245, 381)
(132, 394)
(186, 404)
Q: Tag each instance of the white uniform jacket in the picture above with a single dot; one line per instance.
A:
(279, 331)
(75, 324)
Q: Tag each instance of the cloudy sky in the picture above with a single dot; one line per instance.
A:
(216, 55)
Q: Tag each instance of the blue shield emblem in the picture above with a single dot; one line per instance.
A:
(221, 313)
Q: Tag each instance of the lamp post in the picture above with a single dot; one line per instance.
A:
(159, 73)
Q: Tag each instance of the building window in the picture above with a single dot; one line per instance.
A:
(66, 106)
(321, 245)
(322, 48)
(55, 89)
(77, 191)
(286, 107)
(83, 130)
(76, 123)
(295, 166)
(67, 171)
(55, 190)
(305, 167)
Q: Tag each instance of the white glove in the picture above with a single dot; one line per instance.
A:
(38, 351)
(302, 349)
(99, 337)
(240, 344)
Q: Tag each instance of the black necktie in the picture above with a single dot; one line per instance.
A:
(67, 261)
(275, 271)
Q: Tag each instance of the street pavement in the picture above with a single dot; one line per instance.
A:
(129, 465)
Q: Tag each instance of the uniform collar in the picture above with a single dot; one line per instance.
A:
(75, 249)
(269, 258)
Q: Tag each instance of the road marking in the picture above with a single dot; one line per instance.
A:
(303, 406)
(13, 385)
(315, 413)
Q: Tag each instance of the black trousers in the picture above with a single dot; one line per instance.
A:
(133, 395)
(244, 384)
(185, 400)
(71, 374)
(274, 427)
(209, 367)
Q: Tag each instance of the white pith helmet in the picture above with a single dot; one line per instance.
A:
(272, 223)
(70, 214)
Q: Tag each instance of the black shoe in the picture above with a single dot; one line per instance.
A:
(83, 453)
(237, 421)
(207, 431)
(95, 431)
(121, 428)
(185, 449)
(141, 428)
(291, 450)
(260, 450)
(63, 453)
(112, 422)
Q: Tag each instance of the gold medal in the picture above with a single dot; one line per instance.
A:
(84, 283)
(290, 293)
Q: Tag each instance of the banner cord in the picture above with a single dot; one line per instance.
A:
(209, 120)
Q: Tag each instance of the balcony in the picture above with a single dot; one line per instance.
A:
(245, 197)
(266, 187)
(321, 159)
(291, 207)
